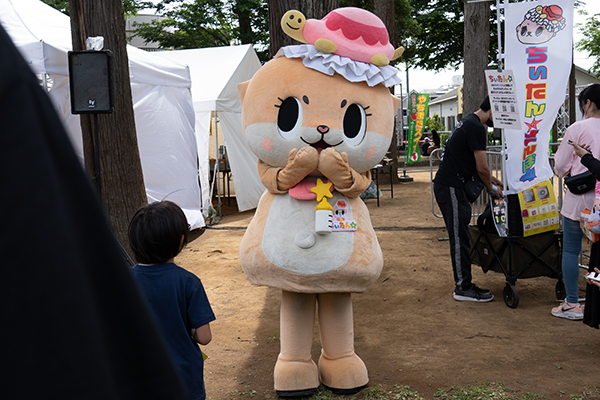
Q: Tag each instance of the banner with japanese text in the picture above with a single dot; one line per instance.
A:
(538, 39)
(417, 113)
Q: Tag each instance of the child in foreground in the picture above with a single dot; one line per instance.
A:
(157, 233)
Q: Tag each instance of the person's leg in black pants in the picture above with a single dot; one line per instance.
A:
(456, 210)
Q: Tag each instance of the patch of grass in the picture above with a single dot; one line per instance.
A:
(590, 393)
(474, 391)
(489, 390)
(247, 392)
(399, 392)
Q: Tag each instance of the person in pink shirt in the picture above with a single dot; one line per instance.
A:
(567, 162)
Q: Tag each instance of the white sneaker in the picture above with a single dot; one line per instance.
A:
(568, 311)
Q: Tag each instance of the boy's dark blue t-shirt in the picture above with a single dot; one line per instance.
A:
(179, 302)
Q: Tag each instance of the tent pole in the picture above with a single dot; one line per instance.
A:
(216, 174)
(45, 82)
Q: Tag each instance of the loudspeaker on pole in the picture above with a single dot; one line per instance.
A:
(90, 76)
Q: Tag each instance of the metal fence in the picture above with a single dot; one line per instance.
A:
(494, 157)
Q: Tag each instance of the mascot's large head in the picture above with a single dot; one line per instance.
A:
(306, 97)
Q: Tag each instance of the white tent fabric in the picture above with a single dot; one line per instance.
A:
(164, 113)
(215, 73)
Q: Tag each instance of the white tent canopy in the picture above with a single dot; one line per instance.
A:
(215, 72)
(164, 113)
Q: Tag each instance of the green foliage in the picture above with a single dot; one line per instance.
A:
(430, 31)
(591, 41)
(434, 123)
(60, 5)
(131, 7)
(443, 138)
(406, 25)
(209, 23)
(437, 42)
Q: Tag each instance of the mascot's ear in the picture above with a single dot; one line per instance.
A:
(397, 101)
(242, 89)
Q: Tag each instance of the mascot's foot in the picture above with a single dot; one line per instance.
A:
(344, 375)
(296, 378)
(346, 391)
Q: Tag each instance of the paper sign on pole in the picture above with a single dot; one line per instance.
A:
(503, 99)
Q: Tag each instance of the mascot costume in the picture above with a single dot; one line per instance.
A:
(319, 116)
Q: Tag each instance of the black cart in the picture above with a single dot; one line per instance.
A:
(517, 257)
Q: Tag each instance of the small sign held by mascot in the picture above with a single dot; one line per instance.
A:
(319, 116)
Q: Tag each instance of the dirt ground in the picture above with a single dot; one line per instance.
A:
(408, 328)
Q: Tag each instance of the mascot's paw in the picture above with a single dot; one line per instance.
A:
(344, 375)
(335, 167)
(305, 159)
(296, 378)
(300, 163)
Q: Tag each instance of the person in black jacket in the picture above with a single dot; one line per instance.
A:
(463, 159)
(591, 311)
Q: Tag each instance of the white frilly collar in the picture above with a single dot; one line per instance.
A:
(353, 71)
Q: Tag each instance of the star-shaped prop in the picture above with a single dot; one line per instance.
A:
(322, 189)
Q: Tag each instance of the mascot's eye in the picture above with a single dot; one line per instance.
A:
(523, 31)
(539, 31)
(289, 119)
(355, 124)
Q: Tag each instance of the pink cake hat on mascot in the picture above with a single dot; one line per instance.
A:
(349, 41)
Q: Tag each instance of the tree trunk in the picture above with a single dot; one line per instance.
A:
(122, 182)
(385, 10)
(246, 36)
(476, 49)
(310, 8)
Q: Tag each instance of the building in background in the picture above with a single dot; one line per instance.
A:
(130, 27)
(446, 106)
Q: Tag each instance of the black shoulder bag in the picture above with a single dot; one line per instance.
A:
(581, 183)
(473, 187)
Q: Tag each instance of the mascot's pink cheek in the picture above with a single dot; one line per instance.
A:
(267, 144)
(369, 154)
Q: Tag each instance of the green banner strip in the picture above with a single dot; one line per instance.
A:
(418, 104)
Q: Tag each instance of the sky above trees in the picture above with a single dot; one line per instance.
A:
(427, 33)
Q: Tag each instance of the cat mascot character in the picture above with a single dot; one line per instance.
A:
(318, 122)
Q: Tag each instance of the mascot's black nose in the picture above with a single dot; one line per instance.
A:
(323, 129)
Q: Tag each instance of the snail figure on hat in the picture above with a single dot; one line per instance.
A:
(318, 117)
(348, 32)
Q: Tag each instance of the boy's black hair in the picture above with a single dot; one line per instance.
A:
(485, 106)
(592, 93)
(155, 232)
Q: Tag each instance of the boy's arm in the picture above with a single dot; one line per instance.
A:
(202, 334)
